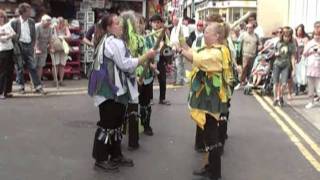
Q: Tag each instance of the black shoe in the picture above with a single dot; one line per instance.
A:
(8, 95)
(106, 166)
(148, 131)
(164, 102)
(281, 102)
(201, 172)
(133, 148)
(208, 178)
(123, 161)
(62, 84)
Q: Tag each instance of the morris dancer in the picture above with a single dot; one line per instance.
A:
(111, 84)
(135, 43)
(210, 91)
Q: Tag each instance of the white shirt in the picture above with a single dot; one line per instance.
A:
(6, 44)
(198, 35)
(185, 31)
(259, 31)
(116, 50)
(25, 36)
(174, 36)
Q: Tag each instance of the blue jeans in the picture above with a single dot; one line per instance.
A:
(27, 57)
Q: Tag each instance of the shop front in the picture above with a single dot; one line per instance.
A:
(230, 10)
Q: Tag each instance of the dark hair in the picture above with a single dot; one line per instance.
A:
(101, 27)
(4, 14)
(303, 31)
(253, 15)
(23, 7)
(286, 30)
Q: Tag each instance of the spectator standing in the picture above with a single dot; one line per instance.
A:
(185, 27)
(6, 55)
(25, 29)
(283, 64)
(250, 45)
(59, 56)
(302, 39)
(195, 39)
(252, 19)
(179, 70)
(88, 37)
(312, 53)
(43, 42)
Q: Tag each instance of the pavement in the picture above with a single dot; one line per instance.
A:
(312, 115)
(74, 87)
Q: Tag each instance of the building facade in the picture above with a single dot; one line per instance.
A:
(230, 10)
(275, 13)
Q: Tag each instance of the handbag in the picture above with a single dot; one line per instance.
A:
(66, 47)
(57, 44)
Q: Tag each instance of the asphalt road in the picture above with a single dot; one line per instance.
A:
(50, 138)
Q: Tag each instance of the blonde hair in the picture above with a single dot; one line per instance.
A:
(222, 29)
(45, 18)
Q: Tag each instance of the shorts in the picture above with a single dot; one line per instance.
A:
(59, 58)
(280, 74)
(40, 60)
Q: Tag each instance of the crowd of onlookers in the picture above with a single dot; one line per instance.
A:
(291, 56)
(25, 44)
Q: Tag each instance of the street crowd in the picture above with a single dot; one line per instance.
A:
(128, 57)
(25, 44)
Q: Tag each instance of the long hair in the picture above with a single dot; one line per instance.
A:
(304, 34)
(101, 28)
(128, 16)
(287, 31)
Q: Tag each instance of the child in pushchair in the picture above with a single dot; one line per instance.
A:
(260, 77)
(260, 71)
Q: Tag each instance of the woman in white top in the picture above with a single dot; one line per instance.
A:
(6, 56)
(59, 56)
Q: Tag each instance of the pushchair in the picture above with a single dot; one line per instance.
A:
(265, 85)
